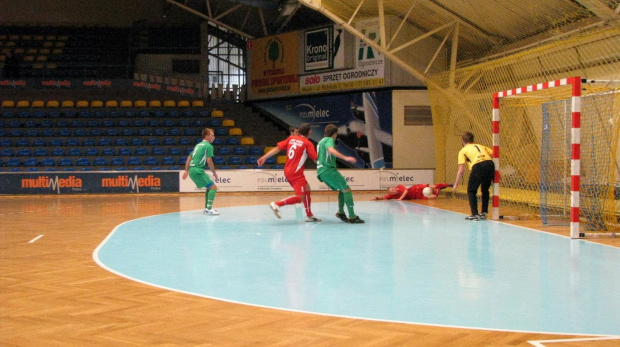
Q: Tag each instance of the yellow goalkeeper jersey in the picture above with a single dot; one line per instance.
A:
(473, 153)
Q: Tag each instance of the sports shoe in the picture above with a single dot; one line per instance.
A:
(275, 209)
(313, 219)
(356, 220)
(212, 212)
(472, 217)
(342, 216)
(483, 215)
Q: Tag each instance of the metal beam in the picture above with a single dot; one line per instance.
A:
(212, 20)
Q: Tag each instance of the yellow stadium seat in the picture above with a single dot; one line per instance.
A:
(63, 38)
(281, 159)
(228, 123)
(267, 149)
(23, 103)
(38, 103)
(154, 103)
(8, 103)
(111, 103)
(32, 51)
(96, 103)
(19, 51)
(37, 37)
(247, 141)
(235, 131)
(81, 103)
(42, 58)
(183, 103)
(140, 103)
(67, 103)
(127, 103)
(52, 103)
(198, 103)
(217, 113)
(29, 58)
(169, 103)
(44, 51)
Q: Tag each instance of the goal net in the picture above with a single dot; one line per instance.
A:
(556, 151)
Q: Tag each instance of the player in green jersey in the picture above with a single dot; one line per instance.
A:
(202, 156)
(327, 173)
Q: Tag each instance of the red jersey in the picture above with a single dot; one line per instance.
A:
(298, 149)
(413, 192)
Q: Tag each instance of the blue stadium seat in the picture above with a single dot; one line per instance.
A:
(167, 161)
(91, 151)
(141, 151)
(184, 141)
(38, 114)
(181, 160)
(24, 152)
(2, 132)
(222, 151)
(31, 132)
(88, 142)
(234, 160)
(8, 114)
(139, 168)
(173, 114)
(232, 141)
(130, 113)
(124, 151)
(156, 168)
(221, 132)
(123, 123)
(189, 132)
(169, 141)
(86, 168)
(117, 161)
(29, 124)
(58, 152)
(255, 150)
(188, 150)
(145, 113)
(29, 162)
(277, 167)
(174, 151)
(159, 114)
(184, 123)
(139, 123)
(54, 114)
(48, 132)
(151, 161)
(133, 161)
(62, 123)
(84, 114)
(107, 123)
(45, 123)
(159, 132)
(64, 133)
(157, 151)
(82, 161)
(114, 114)
(40, 152)
(6, 142)
(173, 167)
(47, 162)
(239, 150)
(111, 132)
(104, 141)
(14, 124)
(153, 123)
(6, 152)
(119, 141)
(169, 123)
(80, 132)
(71, 142)
(270, 161)
(199, 123)
(218, 141)
(144, 132)
(100, 114)
(174, 132)
(127, 132)
(16, 132)
(251, 160)
(77, 124)
(214, 122)
(38, 142)
(69, 114)
(96, 132)
(65, 162)
(137, 142)
(224, 167)
(92, 123)
(13, 162)
(242, 167)
(56, 142)
(100, 161)
(188, 113)
(74, 152)
(107, 151)
(204, 114)
(152, 141)
(22, 143)
(24, 114)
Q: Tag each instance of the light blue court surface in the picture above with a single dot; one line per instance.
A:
(408, 263)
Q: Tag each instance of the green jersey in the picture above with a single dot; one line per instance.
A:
(325, 160)
(201, 152)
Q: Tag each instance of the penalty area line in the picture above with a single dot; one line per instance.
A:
(541, 343)
(35, 239)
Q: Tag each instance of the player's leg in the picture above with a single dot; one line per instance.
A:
(472, 189)
(437, 187)
(485, 185)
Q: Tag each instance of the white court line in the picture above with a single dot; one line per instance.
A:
(540, 343)
(36, 238)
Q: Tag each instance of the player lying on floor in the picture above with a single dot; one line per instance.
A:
(416, 191)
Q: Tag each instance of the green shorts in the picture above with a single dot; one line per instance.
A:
(334, 180)
(200, 177)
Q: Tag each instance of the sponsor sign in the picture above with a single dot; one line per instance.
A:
(274, 180)
(322, 50)
(89, 182)
(274, 65)
(63, 83)
(368, 72)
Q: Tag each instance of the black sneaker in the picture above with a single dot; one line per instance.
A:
(483, 215)
(356, 220)
(342, 216)
(472, 217)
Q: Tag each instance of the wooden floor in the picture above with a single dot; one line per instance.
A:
(52, 293)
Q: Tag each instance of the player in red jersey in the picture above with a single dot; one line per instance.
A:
(401, 192)
(298, 148)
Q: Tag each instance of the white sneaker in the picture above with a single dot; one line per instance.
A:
(313, 219)
(275, 209)
(212, 212)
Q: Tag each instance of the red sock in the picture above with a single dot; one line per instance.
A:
(292, 200)
(440, 186)
(307, 202)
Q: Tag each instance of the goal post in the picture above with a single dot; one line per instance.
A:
(597, 208)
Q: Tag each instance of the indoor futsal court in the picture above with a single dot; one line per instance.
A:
(413, 274)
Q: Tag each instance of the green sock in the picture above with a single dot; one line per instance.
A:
(340, 201)
(210, 196)
(348, 199)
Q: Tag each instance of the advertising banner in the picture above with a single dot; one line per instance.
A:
(64, 83)
(323, 50)
(369, 71)
(89, 182)
(364, 122)
(274, 65)
(274, 180)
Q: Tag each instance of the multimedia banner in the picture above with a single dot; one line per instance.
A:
(89, 182)
(64, 83)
